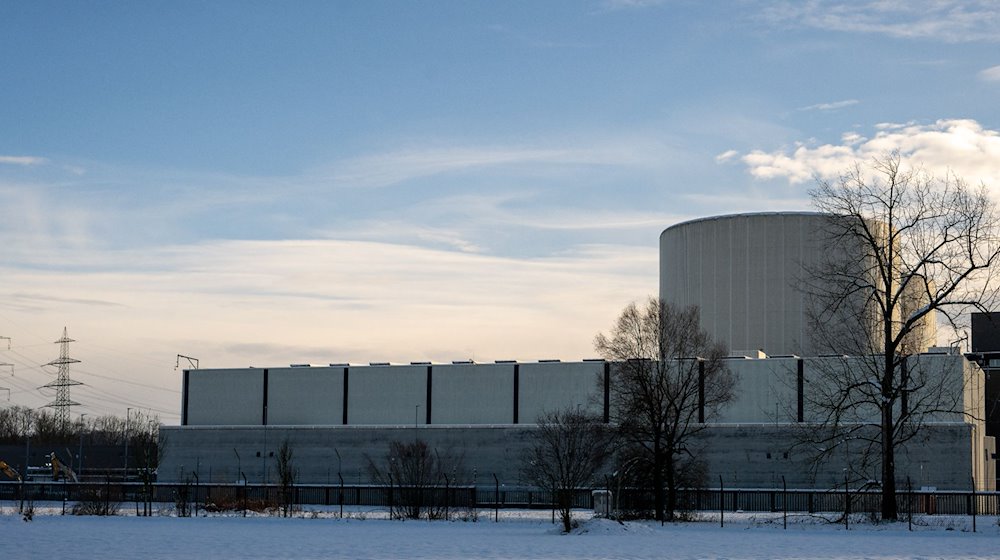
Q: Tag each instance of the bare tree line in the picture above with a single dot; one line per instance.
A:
(19, 422)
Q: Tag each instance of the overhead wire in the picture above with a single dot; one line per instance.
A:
(37, 368)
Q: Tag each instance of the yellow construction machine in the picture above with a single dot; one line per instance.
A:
(9, 471)
(61, 470)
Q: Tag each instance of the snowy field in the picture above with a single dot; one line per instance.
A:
(519, 534)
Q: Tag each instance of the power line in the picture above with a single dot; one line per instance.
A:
(120, 380)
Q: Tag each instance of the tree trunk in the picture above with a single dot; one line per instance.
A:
(565, 509)
(658, 497)
(889, 510)
(671, 487)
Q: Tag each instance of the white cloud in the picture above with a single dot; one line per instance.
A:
(22, 160)
(944, 20)
(830, 106)
(961, 146)
(990, 74)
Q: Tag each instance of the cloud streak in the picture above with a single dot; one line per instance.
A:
(22, 160)
(829, 106)
(231, 303)
(382, 170)
(990, 74)
(953, 21)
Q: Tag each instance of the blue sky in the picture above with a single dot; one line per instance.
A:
(260, 183)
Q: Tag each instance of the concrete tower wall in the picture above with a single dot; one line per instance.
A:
(744, 271)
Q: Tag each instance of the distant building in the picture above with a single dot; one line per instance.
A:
(743, 271)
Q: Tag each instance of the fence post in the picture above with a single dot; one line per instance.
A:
(390, 496)
(197, 482)
(784, 503)
(496, 499)
(909, 503)
(847, 504)
(973, 503)
(722, 503)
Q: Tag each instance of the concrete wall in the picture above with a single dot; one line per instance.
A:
(744, 455)
(767, 390)
(305, 395)
(233, 397)
(553, 386)
(386, 394)
(472, 394)
(743, 271)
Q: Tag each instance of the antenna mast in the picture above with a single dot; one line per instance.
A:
(193, 362)
(63, 382)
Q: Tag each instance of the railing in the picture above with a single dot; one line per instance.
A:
(746, 500)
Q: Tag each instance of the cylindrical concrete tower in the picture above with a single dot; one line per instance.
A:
(745, 272)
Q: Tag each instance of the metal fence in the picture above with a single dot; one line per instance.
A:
(231, 496)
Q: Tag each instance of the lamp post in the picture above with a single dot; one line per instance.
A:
(79, 463)
(340, 494)
(239, 464)
(128, 413)
(263, 455)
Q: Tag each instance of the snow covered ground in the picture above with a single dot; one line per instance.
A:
(519, 534)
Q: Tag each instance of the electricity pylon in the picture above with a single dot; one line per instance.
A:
(63, 382)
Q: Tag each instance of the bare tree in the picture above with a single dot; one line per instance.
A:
(668, 379)
(569, 447)
(286, 476)
(412, 471)
(912, 246)
(148, 448)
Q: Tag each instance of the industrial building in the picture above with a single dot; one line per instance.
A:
(742, 272)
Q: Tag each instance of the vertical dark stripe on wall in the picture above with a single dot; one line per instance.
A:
(346, 372)
(264, 412)
(184, 398)
(800, 382)
(430, 383)
(607, 392)
(701, 391)
(517, 388)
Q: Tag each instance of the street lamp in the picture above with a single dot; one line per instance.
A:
(79, 463)
(128, 413)
(239, 465)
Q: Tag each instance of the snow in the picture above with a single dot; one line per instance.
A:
(519, 534)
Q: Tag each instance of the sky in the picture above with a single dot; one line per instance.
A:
(261, 183)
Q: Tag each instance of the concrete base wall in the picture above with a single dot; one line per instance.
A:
(744, 455)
